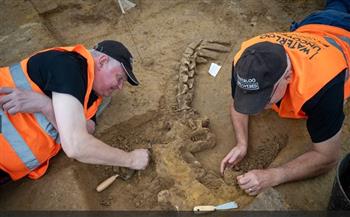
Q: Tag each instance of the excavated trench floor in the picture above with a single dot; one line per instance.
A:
(179, 112)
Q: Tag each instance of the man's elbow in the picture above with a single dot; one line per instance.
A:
(72, 147)
(329, 163)
(333, 161)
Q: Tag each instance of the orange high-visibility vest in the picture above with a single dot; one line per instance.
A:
(318, 53)
(28, 140)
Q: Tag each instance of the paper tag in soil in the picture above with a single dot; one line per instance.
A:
(214, 69)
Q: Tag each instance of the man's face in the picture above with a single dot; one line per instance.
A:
(280, 87)
(109, 76)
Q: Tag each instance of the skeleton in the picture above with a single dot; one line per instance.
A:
(184, 134)
(198, 52)
(176, 160)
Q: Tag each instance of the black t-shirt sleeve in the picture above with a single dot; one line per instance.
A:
(233, 82)
(61, 72)
(325, 110)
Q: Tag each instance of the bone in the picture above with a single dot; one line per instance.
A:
(214, 47)
(201, 146)
(183, 89)
(201, 60)
(208, 54)
(195, 44)
(163, 197)
(190, 83)
(203, 140)
(183, 69)
(191, 73)
(191, 123)
(192, 65)
(182, 102)
(185, 62)
(188, 98)
(184, 78)
(189, 158)
(188, 52)
(199, 134)
(227, 43)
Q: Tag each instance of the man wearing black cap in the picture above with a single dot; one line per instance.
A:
(66, 86)
(299, 74)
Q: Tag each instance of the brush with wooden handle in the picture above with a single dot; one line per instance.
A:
(103, 185)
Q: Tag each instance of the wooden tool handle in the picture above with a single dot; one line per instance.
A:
(106, 183)
(204, 208)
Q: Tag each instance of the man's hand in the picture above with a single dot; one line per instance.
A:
(14, 100)
(319, 159)
(255, 181)
(233, 157)
(139, 159)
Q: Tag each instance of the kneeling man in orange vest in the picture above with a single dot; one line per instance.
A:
(301, 74)
(49, 101)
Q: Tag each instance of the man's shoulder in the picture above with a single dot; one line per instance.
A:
(331, 92)
(57, 55)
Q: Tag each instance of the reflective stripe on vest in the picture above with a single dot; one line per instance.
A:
(21, 82)
(346, 39)
(335, 44)
(18, 144)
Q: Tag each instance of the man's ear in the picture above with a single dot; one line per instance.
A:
(103, 60)
(289, 76)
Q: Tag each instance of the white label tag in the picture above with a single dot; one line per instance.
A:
(214, 69)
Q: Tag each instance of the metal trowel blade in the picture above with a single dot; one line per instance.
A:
(226, 206)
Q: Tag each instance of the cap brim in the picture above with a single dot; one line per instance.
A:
(251, 102)
(131, 77)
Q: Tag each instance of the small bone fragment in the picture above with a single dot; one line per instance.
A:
(184, 78)
(200, 60)
(183, 69)
(192, 124)
(191, 73)
(190, 83)
(188, 52)
(192, 65)
(184, 89)
(185, 61)
(195, 44)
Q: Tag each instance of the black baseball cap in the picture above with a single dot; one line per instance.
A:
(256, 72)
(119, 52)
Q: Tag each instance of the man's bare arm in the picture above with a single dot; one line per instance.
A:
(14, 100)
(77, 143)
(240, 126)
(318, 160)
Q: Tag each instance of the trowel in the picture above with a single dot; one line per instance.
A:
(125, 176)
(225, 206)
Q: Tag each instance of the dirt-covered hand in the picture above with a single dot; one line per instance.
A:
(256, 181)
(14, 100)
(233, 157)
(139, 159)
